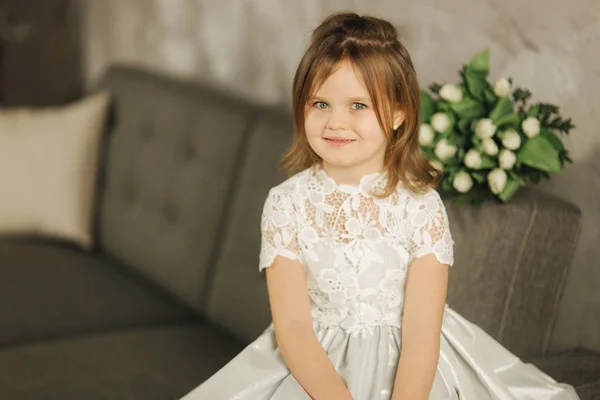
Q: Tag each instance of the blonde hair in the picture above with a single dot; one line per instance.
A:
(372, 47)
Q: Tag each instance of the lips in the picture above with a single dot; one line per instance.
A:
(338, 142)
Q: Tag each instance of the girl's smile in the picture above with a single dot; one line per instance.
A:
(337, 142)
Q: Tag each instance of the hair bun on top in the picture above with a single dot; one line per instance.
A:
(354, 26)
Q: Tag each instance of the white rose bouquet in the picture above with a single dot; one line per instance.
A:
(486, 139)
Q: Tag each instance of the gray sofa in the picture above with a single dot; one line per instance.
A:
(172, 291)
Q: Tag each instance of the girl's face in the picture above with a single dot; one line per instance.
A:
(341, 125)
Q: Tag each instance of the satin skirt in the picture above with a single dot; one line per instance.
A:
(472, 366)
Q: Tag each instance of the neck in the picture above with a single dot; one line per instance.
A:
(349, 175)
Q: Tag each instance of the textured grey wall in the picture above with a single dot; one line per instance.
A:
(551, 47)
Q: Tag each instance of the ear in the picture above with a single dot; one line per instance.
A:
(399, 117)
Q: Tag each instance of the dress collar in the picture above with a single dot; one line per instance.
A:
(366, 183)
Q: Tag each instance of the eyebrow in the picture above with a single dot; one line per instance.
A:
(351, 99)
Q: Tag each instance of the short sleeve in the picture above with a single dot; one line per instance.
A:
(278, 229)
(429, 229)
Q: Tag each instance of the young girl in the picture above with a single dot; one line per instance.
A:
(356, 247)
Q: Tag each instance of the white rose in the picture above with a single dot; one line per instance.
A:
(502, 87)
(497, 180)
(473, 159)
(511, 139)
(485, 128)
(507, 159)
(440, 121)
(531, 127)
(426, 135)
(462, 182)
(437, 165)
(451, 93)
(445, 150)
(489, 147)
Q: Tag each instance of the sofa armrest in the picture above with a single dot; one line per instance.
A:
(577, 367)
(511, 262)
(51, 289)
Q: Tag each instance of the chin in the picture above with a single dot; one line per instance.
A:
(340, 162)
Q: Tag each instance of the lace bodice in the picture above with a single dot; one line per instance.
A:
(355, 247)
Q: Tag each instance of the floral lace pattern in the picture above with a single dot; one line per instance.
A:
(356, 248)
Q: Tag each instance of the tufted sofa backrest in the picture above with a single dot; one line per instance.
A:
(172, 153)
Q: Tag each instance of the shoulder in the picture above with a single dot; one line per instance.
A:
(427, 205)
(290, 188)
(288, 195)
(430, 195)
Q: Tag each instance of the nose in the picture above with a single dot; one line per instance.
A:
(337, 120)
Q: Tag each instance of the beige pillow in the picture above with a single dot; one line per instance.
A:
(48, 163)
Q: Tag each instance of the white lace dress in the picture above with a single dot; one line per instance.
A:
(356, 250)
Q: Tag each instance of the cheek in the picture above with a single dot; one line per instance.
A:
(314, 123)
(367, 126)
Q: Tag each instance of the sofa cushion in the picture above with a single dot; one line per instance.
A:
(513, 259)
(171, 155)
(238, 297)
(579, 367)
(48, 288)
(48, 163)
(158, 363)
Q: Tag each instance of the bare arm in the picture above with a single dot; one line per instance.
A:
(424, 301)
(301, 351)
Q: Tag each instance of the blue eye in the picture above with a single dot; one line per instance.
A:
(359, 106)
(321, 104)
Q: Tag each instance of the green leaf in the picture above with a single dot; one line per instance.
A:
(476, 140)
(428, 151)
(546, 111)
(478, 177)
(480, 62)
(456, 140)
(446, 185)
(452, 170)
(503, 108)
(427, 106)
(435, 87)
(444, 106)
(468, 108)
(463, 126)
(521, 95)
(510, 119)
(534, 111)
(490, 96)
(509, 190)
(487, 162)
(535, 175)
(465, 198)
(552, 138)
(540, 153)
(476, 83)
(480, 194)
(515, 176)
(453, 161)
